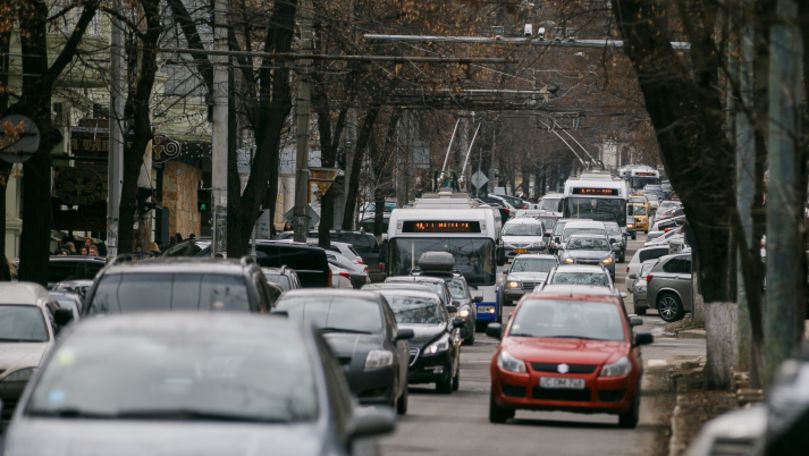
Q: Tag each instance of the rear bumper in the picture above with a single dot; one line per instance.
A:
(373, 387)
(430, 369)
(486, 312)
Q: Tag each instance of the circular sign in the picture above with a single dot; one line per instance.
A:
(79, 187)
(164, 149)
(19, 138)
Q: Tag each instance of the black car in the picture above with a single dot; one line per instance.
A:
(362, 332)
(177, 284)
(363, 242)
(190, 384)
(63, 268)
(435, 350)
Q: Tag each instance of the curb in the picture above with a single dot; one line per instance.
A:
(687, 367)
(691, 334)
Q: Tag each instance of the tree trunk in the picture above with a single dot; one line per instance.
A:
(138, 112)
(356, 165)
(234, 182)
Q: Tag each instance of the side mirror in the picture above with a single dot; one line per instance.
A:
(633, 276)
(643, 338)
(494, 330)
(456, 303)
(635, 320)
(370, 422)
(404, 334)
(458, 322)
(477, 299)
(62, 317)
(452, 309)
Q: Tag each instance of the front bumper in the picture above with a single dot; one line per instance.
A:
(486, 312)
(512, 252)
(512, 295)
(373, 387)
(10, 393)
(430, 369)
(600, 395)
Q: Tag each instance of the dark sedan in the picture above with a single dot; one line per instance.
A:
(361, 330)
(190, 384)
(435, 350)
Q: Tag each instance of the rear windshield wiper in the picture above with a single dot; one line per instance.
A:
(330, 329)
(189, 414)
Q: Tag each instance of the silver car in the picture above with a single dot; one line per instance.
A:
(639, 288)
(669, 287)
(526, 273)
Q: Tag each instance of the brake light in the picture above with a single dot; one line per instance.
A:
(360, 261)
(365, 269)
(345, 274)
(381, 266)
(648, 278)
(666, 230)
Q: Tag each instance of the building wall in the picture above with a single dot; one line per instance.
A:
(13, 225)
(180, 184)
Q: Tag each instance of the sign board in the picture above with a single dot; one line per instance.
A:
(19, 138)
(314, 219)
(479, 179)
(164, 149)
(79, 187)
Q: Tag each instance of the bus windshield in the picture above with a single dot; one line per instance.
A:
(474, 258)
(638, 182)
(601, 209)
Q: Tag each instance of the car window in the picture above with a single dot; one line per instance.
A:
(20, 323)
(280, 280)
(651, 254)
(678, 266)
(567, 319)
(523, 229)
(645, 268)
(336, 386)
(167, 375)
(416, 310)
(457, 288)
(158, 292)
(533, 264)
(587, 244)
(596, 279)
(337, 313)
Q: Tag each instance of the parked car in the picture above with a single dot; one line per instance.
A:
(662, 226)
(363, 243)
(593, 275)
(669, 286)
(435, 351)
(572, 352)
(340, 278)
(362, 332)
(589, 249)
(62, 268)
(26, 335)
(523, 235)
(526, 273)
(642, 255)
(640, 302)
(176, 284)
(198, 384)
(357, 274)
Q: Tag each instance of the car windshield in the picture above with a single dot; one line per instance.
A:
(22, 324)
(474, 257)
(145, 292)
(334, 313)
(596, 279)
(178, 377)
(646, 267)
(457, 288)
(522, 229)
(549, 222)
(578, 243)
(412, 310)
(533, 264)
(613, 229)
(550, 204)
(568, 319)
(636, 209)
(280, 280)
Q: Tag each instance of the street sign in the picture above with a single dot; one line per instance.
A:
(479, 179)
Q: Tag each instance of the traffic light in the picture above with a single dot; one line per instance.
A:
(204, 200)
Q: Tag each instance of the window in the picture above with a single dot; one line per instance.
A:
(678, 266)
(651, 254)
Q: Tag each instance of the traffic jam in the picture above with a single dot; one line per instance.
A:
(298, 349)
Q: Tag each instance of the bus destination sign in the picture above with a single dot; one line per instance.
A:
(438, 226)
(595, 191)
(645, 174)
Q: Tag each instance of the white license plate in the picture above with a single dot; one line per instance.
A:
(561, 383)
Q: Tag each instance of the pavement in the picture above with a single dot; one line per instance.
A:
(458, 424)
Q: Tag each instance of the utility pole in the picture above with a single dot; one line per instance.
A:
(219, 161)
(784, 209)
(302, 108)
(115, 164)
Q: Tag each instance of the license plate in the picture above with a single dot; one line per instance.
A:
(561, 383)
(520, 250)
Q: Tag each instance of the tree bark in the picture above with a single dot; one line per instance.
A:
(356, 165)
(137, 112)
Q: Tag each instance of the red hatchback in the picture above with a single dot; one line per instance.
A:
(570, 352)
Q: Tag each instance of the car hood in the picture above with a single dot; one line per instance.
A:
(165, 438)
(521, 241)
(532, 276)
(571, 351)
(16, 355)
(587, 254)
(349, 345)
(423, 334)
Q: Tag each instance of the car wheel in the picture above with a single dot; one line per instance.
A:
(498, 414)
(444, 386)
(669, 307)
(634, 236)
(456, 381)
(630, 418)
(480, 327)
(401, 404)
(471, 339)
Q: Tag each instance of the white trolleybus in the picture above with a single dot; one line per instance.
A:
(596, 196)
(639, 176)
(451, 222)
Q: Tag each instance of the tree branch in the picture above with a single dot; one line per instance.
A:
(69, 50)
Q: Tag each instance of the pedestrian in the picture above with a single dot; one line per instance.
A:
(192, 236)
(83, 251)
(71, 248)
(287, 226)
(88, 242)
(92, 251)
(154, 249)
(63, 252)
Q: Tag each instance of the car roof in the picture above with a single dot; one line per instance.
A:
(665, 258)
(396, 286)
(418, 293)
(333, 292)
(179, 265)
(584, 224)
(22, 293)
(540, 256)
(587, 236)
(575, 292)
(523, 220)
(580, 268)
(430, 279)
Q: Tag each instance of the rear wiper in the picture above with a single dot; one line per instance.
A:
(189, 414)
(330, 329)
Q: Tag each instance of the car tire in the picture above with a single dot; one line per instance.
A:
(498, 414)
(669, 307)
(401, 404)
(444, 386)
(471, 339)
(480, 327)
(630, 418)
(634, 236)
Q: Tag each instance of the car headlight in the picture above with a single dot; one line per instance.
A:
(377, 359)
(513, 284)
(21, 375)
(619, 368)
(463, 313)
(607, 261)
(631, 225)
(568, 261)
(509, 363)
(441, 345)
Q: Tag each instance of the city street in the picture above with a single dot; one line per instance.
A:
(458, 423)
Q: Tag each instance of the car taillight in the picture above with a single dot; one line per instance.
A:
(666, 230)
(365, 269)
(345, 274)
(381, 266)
(648, 278)
(360, 261)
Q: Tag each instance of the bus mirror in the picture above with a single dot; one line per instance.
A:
(501, 256)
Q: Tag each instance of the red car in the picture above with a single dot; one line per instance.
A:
(572, 351)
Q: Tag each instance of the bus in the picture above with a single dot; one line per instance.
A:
(595, 196)
(454, 223)
(639, 176)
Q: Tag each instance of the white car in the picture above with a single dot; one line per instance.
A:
(340, 278)
(26, 335)
(643, 254)
(523, 235)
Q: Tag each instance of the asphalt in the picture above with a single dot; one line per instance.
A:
(458, 424)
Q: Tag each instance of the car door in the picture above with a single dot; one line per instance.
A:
(678, 271)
